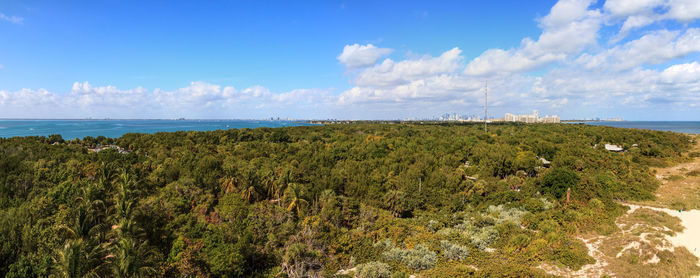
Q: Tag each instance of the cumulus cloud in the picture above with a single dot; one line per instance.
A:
(622, 8)
(357, 56)
(653, 48)
(640, 13)
(390, 73)
(684, 10)
(11, 19)
(567, 29)
(688, 73)
(198, 100)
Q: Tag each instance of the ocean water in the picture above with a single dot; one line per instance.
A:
(682, 127)
(70, 129)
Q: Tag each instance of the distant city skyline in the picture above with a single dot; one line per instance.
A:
(578, 59)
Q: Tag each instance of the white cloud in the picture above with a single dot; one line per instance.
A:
(567, 29)
(682, 73)
(565, 12)
(639, 13)
(198, 100)
(390, 73)
(85, 95)
(635, 13)
(357, 56)
(11, 19)
(654, 48)
(684, 10)
(624, 8)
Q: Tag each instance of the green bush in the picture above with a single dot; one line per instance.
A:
(506, 215)
(418, 258)
(557, 181)
(373, 270)
(454, 252)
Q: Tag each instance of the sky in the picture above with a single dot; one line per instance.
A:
(635, 59)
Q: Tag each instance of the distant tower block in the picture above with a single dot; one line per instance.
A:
(486, 104)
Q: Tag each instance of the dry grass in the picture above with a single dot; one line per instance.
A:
(680, 184)
(641, 248)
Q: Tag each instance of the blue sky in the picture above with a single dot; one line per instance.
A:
(255, 59)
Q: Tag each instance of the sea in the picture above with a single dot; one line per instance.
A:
(678, 126)
(71, 129)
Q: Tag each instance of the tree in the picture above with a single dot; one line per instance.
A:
(397, 202)
(558, 181)
(79, 259)
(293, 198)
(133, 258)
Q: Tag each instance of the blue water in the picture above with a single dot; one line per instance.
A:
(683, 127)
(70, 129)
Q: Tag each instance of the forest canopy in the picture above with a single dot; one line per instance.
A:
(364, 199)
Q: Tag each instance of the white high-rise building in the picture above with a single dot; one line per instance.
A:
(531, 118)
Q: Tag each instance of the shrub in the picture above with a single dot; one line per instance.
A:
(546, 204)
(434, 225)
(373, 270)
(419, 258)
(558, 180)
(453, 251)
(385, 244)
(506, 215)
(483, 237)
(399, 274)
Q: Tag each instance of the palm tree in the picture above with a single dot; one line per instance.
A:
(105, 174)
(272, 187)
(228, 184)
(83, 254)
(133, 258)
(78, 259)
(88, 221)
(394, 201)
(125, 207)
(249, 193)
(293, 198)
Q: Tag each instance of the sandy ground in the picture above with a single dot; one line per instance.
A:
(690, 237)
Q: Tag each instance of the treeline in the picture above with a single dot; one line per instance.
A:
(371, 200)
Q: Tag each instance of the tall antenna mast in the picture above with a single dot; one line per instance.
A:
(486, 103)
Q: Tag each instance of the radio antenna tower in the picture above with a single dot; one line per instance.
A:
(486, 103)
